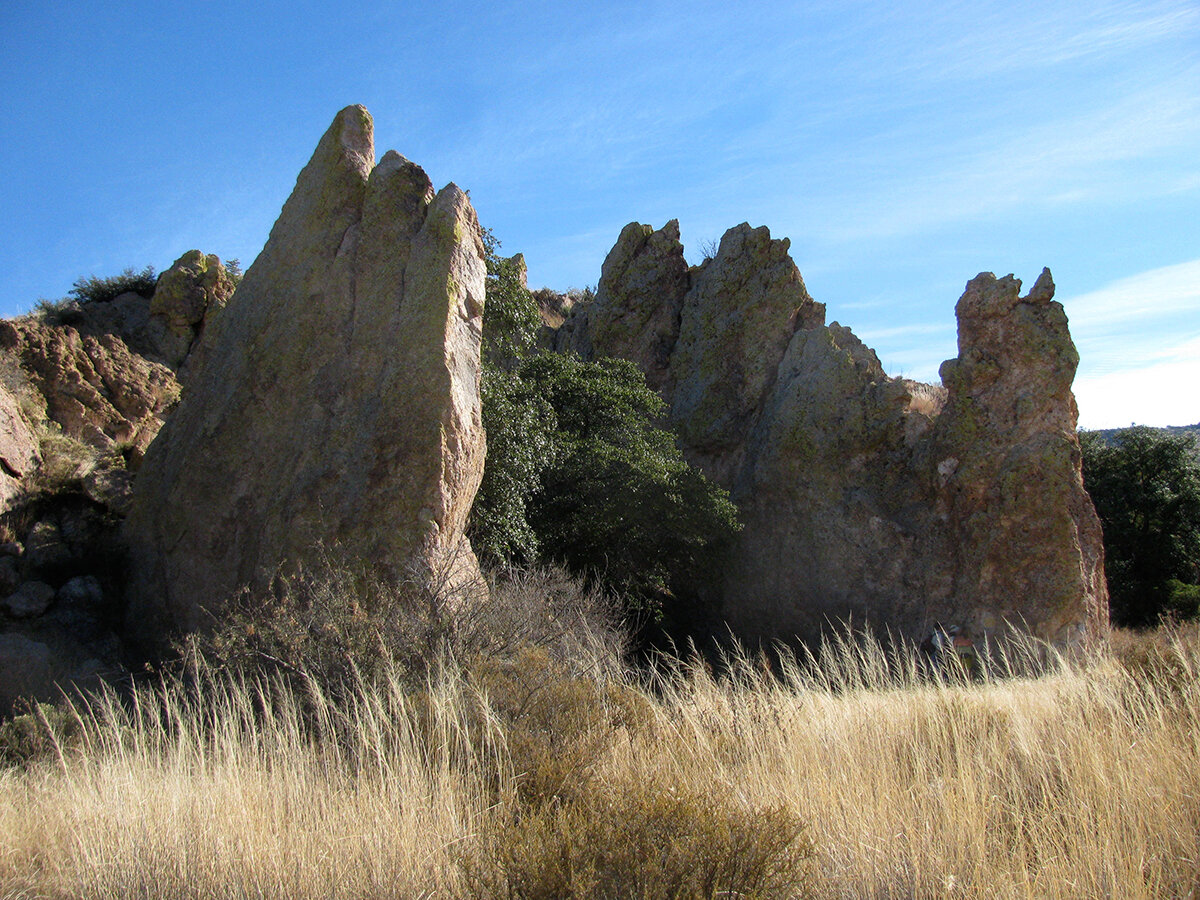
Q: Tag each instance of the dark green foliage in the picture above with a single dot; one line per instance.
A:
(1145, 484)
(619, 502)
(576, 471)
(233, 268)
(520, 428)
(91, 289)
(520, 424)
(510, 318)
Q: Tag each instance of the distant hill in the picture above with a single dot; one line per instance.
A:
(1194, 430)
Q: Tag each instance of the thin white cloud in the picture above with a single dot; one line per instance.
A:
(1157, 292)
(1086, 157)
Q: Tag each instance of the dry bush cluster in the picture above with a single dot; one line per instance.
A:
(534, 771)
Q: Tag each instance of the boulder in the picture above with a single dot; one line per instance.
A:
(339, 403)
(39, 666)
(29, 600)
(186, 299)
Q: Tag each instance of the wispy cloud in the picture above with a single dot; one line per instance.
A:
(1157, 292)
(1085, 157)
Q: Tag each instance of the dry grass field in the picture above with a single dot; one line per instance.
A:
(853, 775)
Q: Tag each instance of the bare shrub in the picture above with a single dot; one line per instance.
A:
(927, 399)
(339, 622)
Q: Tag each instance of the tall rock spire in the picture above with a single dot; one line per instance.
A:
(338, 404)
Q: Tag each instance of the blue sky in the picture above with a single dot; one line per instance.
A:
(903, 148)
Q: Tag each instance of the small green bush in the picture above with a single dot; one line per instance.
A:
(91, 289)
(39, 734)
(644, 840)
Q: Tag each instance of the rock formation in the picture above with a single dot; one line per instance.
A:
(862, 497)
(18, 447)
(338, 403)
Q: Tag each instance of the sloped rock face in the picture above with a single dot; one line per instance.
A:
(339, 401)
(866, 497)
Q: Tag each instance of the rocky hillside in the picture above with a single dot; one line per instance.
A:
(86, 388)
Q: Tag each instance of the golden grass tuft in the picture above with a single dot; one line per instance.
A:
(843, 776)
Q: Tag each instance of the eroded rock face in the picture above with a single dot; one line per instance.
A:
(1009, 490)
(18, 447)
(95, 387)
(866, 497)
(339, 402)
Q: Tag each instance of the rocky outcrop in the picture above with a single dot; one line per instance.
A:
(339, 402)
(1009, 497)
(96, 388)
(187, 298)
(864, 497)
(18, 447)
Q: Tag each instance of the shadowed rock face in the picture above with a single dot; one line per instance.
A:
(865, 496)
(338, 402)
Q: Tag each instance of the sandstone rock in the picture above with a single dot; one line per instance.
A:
(639, 299)
(188, 296)
(10, 574)
(339, 403)
(1027, 537)
(43, 665)
(738, 317)
(82, 590)
(31, 599)
(26, 670)
(110, 487)
(45, 546)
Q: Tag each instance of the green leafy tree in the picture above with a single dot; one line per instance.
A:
(576, 470)
(520, 424)
(619, 502)
(1145, 484)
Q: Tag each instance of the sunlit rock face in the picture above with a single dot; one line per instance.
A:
(864, 497)
(338, 402)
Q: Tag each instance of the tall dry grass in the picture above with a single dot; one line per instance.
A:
(1056, 778)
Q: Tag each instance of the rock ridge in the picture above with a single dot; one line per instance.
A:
(863, 497)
